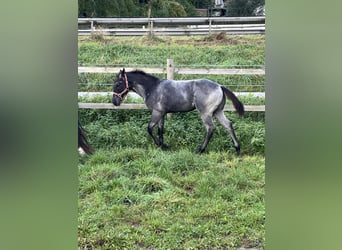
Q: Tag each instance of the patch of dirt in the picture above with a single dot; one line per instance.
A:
(220, 38)
(155, 40)
(215, 39)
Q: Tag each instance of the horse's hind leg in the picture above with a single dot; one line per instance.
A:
(210, 127)
(229, 126)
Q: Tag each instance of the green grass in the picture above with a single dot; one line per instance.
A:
(128, 128)
(135, 198)
(196, 52)
(122, 51)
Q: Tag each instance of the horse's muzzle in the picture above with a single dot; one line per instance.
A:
(116, 100)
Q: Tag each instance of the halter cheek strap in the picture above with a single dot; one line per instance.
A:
(125, 91)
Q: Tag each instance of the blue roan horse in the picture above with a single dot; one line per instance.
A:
(168, 96)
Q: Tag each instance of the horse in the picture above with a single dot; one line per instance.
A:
(163, 96)
(82, 140)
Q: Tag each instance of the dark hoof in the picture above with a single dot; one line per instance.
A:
(164, 147)
(237, 150)
(199, 151)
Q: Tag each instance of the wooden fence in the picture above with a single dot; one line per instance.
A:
(184, 71)
(171, 26)
(94, 105)
(169, 70)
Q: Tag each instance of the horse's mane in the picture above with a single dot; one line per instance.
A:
(137, 71)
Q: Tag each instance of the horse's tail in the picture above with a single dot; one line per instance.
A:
(82, 140)
(236, 102)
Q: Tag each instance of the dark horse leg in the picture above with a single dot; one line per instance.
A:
(157, 117)
(229, 126)
(210, 127)
(82, 140)
(161, 133)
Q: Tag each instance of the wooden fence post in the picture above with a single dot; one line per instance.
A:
(209, 26)
(149, 24)
(170, 69)
(92, 27)
(170, 74)
(151, 30)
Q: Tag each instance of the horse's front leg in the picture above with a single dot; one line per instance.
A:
(161, 133)
(156, 118)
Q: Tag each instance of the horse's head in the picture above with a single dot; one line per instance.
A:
(120, 88)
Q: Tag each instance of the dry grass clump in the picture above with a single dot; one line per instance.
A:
(220, 37)
(98, 35)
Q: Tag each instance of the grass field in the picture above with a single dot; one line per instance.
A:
(135, 196)
(196, 52)
(150, 199)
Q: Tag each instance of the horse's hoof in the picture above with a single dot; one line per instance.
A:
(199, 151)
(237, 150)
(164, 146)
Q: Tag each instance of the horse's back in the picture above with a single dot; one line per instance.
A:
(174, 96)
(186, 95)
(204, 85)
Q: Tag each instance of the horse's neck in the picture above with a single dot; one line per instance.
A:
(140, 90)
(143, 89)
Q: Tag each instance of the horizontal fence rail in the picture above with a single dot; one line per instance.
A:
(185, 71)
(134, 106)
(175, 20)
(171, 26)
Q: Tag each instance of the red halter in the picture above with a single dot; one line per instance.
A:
(125, 91)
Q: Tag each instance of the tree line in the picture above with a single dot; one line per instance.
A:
(161, 8)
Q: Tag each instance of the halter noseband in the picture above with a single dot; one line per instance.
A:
(124, 91)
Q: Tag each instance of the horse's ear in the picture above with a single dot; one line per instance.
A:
(123, 71)
(120, 73)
